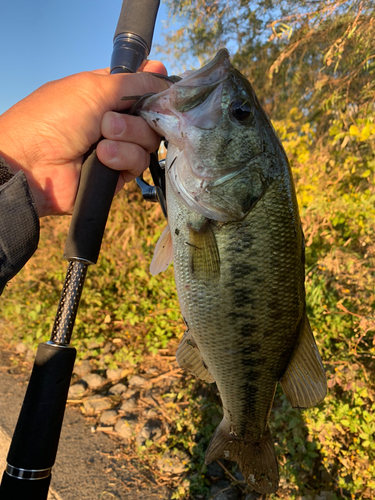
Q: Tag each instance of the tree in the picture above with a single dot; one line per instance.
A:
(313, 54)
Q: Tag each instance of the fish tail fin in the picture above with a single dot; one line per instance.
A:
(256, 459)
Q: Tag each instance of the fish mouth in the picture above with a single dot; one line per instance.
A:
(213, 71)
(192, 100)
(195, 87)
(182, 114)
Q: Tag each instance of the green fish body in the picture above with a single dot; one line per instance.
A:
(235, 237)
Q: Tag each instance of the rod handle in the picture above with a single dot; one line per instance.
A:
(97, 187)
(12, 488)
(138, 17)
(36, 437)
(132, 44)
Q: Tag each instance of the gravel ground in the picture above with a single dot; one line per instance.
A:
(89, 464)
(108, 414)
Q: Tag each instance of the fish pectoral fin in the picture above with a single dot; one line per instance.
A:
(256, 459)
(304, 382)
(204, 259)
(163, 254)
(189, 358)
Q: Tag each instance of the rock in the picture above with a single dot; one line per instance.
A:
(114, 373)
(129, 393)
(97, 404)
(214, 471)
(169, 399)
(229, 494)
(173, 462)
(93, 344)
(83, 368)
(30, 354)
(152, 430)
(152, 371)
(76, 390)
(239, 476)
(152, 414)
(117, 389)
(108, 417)
(137, 381)
(222, 490)
(219, 486)
(149, 400)
(324, 495)
(125, 428)
(253, 496)
(21, 348)
(128, 405)
(109, 347)
(93, 380)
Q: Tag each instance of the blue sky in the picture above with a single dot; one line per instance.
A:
(42, 40)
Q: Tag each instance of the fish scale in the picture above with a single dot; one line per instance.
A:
(235, 237)
(221, 317)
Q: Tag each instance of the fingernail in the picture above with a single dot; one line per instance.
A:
(118, 125)
(111, 150)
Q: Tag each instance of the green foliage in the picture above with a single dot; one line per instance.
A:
(336, 189)
(121, 301)
(312, 65)
(329, 448)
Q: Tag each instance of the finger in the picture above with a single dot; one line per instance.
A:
(147, 66)
(123, 156)
(103, 71)
(154, 67)
(131, 84)
(120, 184)
(127, 176)
(124, 178)
(126, 128)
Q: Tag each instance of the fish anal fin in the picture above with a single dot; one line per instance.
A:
(163, 254)
(304, 382)
(189, 358)
(256, 459)
(204, 259)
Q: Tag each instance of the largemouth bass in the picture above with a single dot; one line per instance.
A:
(235, 236)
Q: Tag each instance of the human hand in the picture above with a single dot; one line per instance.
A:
(47, 134)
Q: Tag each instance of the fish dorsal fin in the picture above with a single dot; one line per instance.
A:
(163, 254)
(204, 259)
(304, 382)
(189, 358)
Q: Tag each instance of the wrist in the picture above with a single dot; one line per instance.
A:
(5, 172)
(9, 167)
(13, 157)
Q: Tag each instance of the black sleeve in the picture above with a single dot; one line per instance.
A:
(19, 225)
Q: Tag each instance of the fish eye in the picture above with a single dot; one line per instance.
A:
(240, 110)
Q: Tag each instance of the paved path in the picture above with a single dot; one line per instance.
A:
(88, 466)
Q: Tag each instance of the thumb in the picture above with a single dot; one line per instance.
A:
(147, 66)
(153, 67)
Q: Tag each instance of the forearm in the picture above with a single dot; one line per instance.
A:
(19, 224)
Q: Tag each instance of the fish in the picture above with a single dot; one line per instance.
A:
(235, 237)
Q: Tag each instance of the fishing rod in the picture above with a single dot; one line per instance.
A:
(35, 441)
